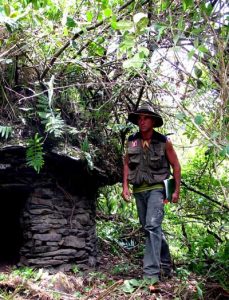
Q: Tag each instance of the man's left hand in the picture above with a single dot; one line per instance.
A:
(175, 197)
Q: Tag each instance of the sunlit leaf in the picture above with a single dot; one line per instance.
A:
(135, 62)
(144, 50)
(203, 49)
(89, 16)
(124, 25)
(107, 12)
(128, 287)
(199, 119)
(7, 9)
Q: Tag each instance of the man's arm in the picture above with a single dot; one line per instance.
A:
(174, 162)
(125, 185)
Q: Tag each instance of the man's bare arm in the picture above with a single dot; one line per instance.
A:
(174, 162)
(125, 186)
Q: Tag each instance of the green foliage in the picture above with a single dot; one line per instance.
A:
(121, 269)
(2, 276)
(25, 272)
(52, 120)
(96, 60)
(110, 202)
(34, 153)
(129, 286)
(6, 131)
(75, 269)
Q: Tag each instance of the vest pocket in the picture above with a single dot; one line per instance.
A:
(134, 157)
(134, 160)
(155, 162)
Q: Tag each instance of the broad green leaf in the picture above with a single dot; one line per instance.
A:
(70, 22)
(107, 12)
(199, 119)
(144, 50)
(127, 287)
(89, 16)
(203, 49)
(187, 3)
(124, 25)
(135, 62)
(7, 9)
(135, 282)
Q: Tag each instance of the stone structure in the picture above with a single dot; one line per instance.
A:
(54, 211)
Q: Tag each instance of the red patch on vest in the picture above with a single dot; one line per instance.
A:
(134, 143)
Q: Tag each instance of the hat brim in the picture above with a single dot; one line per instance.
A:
(133, 117)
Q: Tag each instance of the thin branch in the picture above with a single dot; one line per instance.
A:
(77, 35)
(204, 195)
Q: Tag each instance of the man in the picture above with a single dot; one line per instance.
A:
(146, 165)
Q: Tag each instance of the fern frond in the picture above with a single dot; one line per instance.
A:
(5, 131)
(34, 153)
(50, 118)
(55, 125)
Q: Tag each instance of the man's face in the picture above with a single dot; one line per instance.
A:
(145, 123)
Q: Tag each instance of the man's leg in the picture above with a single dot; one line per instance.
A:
(166, 261)
(153, 220)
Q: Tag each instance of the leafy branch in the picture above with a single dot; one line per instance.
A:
(34, 153)
(76, 36)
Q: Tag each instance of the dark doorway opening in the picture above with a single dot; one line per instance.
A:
(12, 201)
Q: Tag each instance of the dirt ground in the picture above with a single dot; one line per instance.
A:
(115, 277)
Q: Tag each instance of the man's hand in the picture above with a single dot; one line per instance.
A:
(175, 197)
(126, 194)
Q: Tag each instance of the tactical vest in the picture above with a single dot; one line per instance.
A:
(149, 164)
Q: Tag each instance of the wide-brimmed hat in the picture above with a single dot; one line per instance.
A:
(145, 109)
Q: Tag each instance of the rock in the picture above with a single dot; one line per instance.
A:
(51, 237)
(68, 252)
(74, 242)
(83, 219)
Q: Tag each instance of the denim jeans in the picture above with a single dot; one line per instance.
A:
(150, 208)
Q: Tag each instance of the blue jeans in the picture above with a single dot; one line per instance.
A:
(150, 208)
